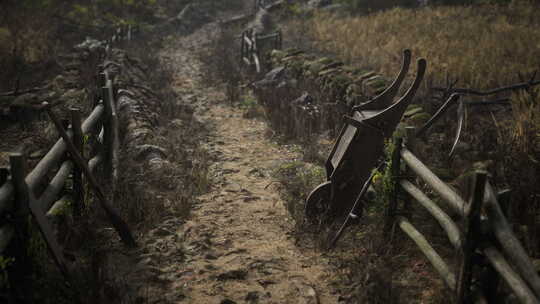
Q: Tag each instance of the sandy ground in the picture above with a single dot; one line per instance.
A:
(237, 246)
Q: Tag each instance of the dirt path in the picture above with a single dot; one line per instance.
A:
(237, 240)
(236, 247)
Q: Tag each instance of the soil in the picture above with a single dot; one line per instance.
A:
(237, 246)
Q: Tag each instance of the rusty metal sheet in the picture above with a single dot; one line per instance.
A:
(343, 144)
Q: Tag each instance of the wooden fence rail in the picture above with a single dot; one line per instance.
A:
(260, 4)
(482, 231)
(252, 43)
(31, 193)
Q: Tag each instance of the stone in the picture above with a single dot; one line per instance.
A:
(90, 44)
(237, 274)
(252, 297)
(150, 152)
(271, 78)
(303, 100)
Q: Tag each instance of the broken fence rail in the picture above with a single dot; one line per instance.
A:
(504, 255)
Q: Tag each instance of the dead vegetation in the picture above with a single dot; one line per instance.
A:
(506, 31)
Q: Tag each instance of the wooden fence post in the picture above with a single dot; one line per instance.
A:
(471, 239)
(107, 127)
(395, 167)
(31, 206)
(78, 141)
(242, 46)
(102, 79)
(19, 246)
(115, 138)
(4, 174)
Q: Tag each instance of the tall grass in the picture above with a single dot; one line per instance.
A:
(520, 144)
(483, 46)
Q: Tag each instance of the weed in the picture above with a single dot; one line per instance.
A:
(5, 263)
(298, 179)
(519, 140)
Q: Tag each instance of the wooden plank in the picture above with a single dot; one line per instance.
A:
(94, 162)
(101, 135)
(268, 36)
(108, 129)
(115, 144)
(492, 282)
(78, 141)
(446, 222)
(434, 258)
(509, 243)
(242, 46)
(514, 281)
(118, 223)
(51, 193)
(453, 199)
(472, 236)
(248, 41)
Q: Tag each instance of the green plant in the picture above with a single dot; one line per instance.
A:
(37, 248)
(298, 179)
(248, 102)
(383, 181)
(293, 9)
(5, 263)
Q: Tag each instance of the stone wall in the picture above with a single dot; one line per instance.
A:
(305, 95)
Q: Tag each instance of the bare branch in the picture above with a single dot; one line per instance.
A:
(519, 86)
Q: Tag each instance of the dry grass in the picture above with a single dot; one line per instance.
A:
(484, 46)
(221, 64)
(519, 142)
(525, 126)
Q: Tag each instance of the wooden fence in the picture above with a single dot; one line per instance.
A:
(252, 43)
(489, 252)
(261, 4)
(73, 161)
